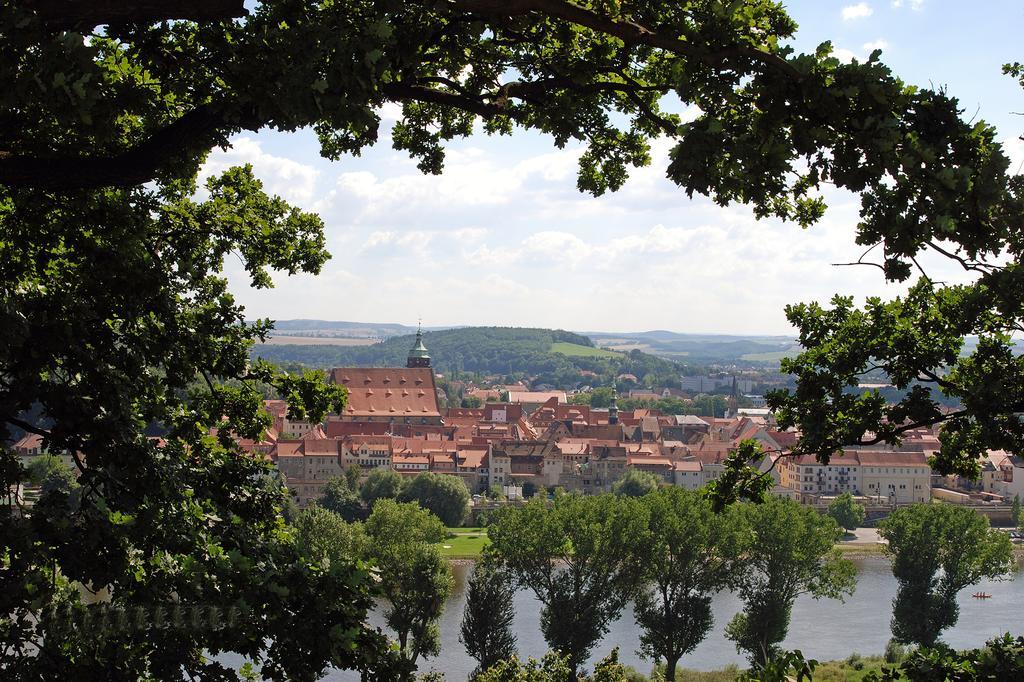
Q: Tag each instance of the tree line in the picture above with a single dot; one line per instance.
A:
(662, 552)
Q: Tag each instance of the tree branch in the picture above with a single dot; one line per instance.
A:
(984, 268)
(899, 430)
(207, 125)
(397, 92)
(627, 31)
(63, 15)
(197, 129)
(25, 426)
(861, 261)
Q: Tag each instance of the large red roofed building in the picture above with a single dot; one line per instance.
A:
(402, 395)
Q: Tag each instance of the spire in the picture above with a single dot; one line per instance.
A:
(613, 410)
(734, 402)
(418, 355)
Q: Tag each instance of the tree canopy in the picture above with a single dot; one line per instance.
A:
(636, 483)
(447, 497)
(114, 299)
(487, 621)
(414, 578)
(381, 483)
(938, 550)
(791, 551)
(323, 534)
(847, 512)
(579, 556)
(691, 553)
(339, 497)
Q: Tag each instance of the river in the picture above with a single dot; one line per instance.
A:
(822, 629)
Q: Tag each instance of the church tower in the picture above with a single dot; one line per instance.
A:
(418, 356)
(734, 402)
(613, 410)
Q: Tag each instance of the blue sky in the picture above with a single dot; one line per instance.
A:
(504, 238)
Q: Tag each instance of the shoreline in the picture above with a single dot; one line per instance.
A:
(849, 552)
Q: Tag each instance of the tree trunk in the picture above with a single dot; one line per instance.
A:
(670, 669)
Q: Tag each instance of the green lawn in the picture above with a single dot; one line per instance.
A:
(466, 543)
(572, 349)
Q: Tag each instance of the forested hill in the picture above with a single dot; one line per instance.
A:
(555, 356)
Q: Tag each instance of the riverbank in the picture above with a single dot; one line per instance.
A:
(851, 669)
(467, 544)
(823, 629)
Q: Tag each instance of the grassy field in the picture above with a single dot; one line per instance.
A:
(317, 341)
(464, 543)
(852, 669)
(574, 349)
(775, 356)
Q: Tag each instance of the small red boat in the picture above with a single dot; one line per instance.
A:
(981, 595)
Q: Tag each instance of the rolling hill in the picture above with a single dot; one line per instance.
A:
(554, 356)
(700, 349)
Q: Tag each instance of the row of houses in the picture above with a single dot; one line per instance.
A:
(393, 420)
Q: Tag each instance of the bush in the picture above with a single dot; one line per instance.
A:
(1001, 659)
(895, 652)
(636, 483)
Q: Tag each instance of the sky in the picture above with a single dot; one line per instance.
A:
(503, 237)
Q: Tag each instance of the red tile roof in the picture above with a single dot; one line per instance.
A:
(875, 458)
(388, 391)
(337, 428)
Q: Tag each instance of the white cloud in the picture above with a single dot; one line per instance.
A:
(469, 235)
(504, 237)
(858, 11)
(390, 112)
(473, 185)
(656, 241)
(415, 239)
(844, 55)
(916, 5)
(294, 181)
(556, 246)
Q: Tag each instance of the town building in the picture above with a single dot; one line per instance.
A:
(894, 478)
(388, 395)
